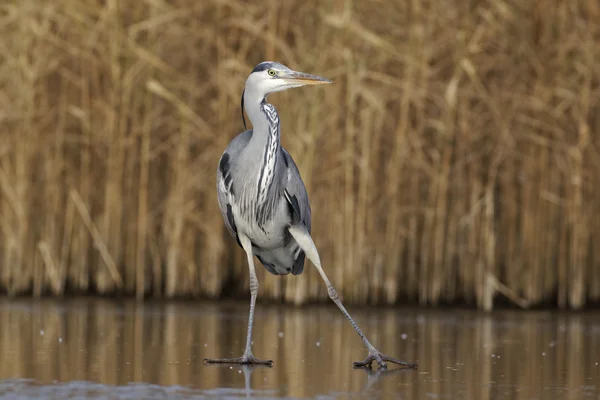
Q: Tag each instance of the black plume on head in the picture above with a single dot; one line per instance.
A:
(263, 66)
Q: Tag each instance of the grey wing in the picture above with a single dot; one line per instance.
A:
(297, 198)
(295, 192)
(225, 187)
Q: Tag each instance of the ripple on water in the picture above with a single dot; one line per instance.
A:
(32, 389)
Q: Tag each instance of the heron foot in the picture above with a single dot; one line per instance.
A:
(244, 360)
(381, 359)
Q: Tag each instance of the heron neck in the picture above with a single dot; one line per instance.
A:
(264, 119)
(265, 141)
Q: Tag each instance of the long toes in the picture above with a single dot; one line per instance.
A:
(366, 363)
(381, 363)
(399, 362)
(249, 360)
(240, 360)
(259, 362)
(223, 360)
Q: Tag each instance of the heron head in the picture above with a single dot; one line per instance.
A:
(269, 77)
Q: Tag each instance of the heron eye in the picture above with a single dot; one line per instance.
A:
(271, 72)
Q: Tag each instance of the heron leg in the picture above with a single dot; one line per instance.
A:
(248, 357)
(305, 241)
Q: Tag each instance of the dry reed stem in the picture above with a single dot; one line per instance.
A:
(98, 242)
(455, 158)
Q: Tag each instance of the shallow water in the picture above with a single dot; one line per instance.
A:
(111, 349)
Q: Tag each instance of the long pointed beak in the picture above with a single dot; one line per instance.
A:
(300, 78)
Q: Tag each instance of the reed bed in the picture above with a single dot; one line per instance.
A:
(455, 158)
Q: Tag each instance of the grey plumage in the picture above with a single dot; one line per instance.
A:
(263, 199)
(286, 199)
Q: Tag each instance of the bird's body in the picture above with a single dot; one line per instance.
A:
(264, 219)
(264, 201)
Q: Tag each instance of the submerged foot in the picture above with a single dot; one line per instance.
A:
(381, 360)
(245, 360)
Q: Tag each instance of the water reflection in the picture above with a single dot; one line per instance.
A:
(96, 348)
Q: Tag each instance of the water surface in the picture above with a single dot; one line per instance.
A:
(111, 349)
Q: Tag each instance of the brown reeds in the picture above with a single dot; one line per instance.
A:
(455, 158)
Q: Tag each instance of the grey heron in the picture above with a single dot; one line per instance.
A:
(264, 201)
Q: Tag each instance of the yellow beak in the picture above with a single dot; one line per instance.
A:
(300, 78)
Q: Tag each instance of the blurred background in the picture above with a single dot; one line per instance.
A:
(455, 159)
